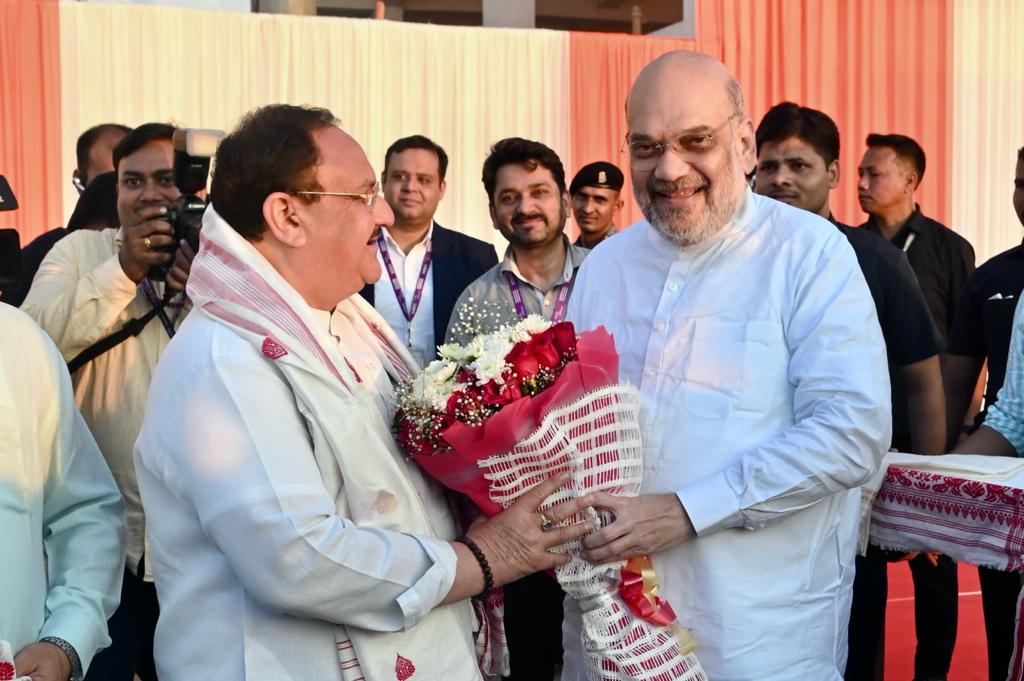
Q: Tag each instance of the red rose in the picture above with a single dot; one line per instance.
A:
(565, 338)
(543, 348)
(500, 395)
(441, 421)
(464, 403)
(411, 441)
(524, 364)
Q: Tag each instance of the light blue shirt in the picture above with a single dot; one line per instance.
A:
(57, 498)
(1006, 416)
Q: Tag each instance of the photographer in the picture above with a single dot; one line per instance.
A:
(89, 286)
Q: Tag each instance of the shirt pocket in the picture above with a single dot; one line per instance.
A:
(734, 367)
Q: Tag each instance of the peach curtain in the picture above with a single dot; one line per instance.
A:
(988, 121)
(873, 65)
(30, 143)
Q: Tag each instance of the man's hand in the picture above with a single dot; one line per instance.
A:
(514, 542)
(643, 526)
(177, 276)
(43, 662)
(138, 250)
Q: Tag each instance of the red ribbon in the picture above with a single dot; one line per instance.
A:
(639, 589)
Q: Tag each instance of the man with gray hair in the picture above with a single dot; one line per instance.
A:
(751, 334)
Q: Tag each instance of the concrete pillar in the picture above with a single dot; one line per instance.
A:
(288, 7)
(510, 13)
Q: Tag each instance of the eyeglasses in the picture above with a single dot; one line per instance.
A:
(369, 198)
(645, 154)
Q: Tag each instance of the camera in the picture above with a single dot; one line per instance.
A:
(193, 151)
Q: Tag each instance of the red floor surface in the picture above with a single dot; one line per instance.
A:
(970, 661)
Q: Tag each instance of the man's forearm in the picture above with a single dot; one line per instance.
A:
(926, 413)
(986, 441)
(926, 405)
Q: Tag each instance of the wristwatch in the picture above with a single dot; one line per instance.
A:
(69, 650)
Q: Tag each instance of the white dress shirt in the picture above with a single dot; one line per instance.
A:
(765, 404)
(61, 516)
(419, 334)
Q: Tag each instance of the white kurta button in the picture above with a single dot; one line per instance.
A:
(673, 287)
(649, 373)
(659, 326)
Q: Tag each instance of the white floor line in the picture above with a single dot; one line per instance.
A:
(910, 598)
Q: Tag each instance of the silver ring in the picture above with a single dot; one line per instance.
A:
(546, 525)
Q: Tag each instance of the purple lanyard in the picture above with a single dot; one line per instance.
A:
(397, 286)
(557, 315)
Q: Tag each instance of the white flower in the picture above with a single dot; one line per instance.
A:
(453, 352)
(534, 324)
(440, 371)
(490, 365)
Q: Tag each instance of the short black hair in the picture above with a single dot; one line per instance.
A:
(270, 150)
(418, 142)
(1020, 154)
(97, 206)
(904, 147)
(140, 137)
(788, 119)
(526, 153)
(89, 138)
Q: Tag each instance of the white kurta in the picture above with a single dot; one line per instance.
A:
(61, 516)
(765, 402)
(253, 565)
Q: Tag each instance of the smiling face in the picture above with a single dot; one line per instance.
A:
(145, 178)
(340, 250)
(412, 185)
(594, 209)
(527, 207)
(694, 189)
(793, 172)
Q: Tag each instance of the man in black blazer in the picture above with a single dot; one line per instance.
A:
(424, 266)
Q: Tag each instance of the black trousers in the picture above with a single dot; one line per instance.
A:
(935, 617)
(533, 627)
(131, 630)
(999, 592)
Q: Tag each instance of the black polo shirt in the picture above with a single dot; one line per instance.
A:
(984, 316)
(907, 327)
(941, 259)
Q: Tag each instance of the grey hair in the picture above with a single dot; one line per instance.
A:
(739, 108)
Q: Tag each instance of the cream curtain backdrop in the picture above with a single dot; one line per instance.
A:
(988, 121)
(384, 80)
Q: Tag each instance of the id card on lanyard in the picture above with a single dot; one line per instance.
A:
(408, 311)
(561, 302)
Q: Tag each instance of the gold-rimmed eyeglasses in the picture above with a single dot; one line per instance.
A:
(369, 198)
(644, 154)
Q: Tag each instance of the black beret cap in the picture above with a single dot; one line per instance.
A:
(598, 174)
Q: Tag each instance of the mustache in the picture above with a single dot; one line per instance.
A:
(520, 218)
(659, 186)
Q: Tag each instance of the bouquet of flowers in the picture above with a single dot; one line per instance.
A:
(514, 407)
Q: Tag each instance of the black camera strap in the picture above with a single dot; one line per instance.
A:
(133, 327)
(154, 300)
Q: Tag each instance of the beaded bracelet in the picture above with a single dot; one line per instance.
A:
(484, 566)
